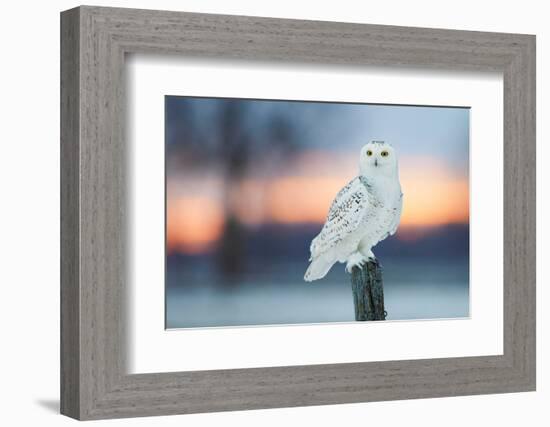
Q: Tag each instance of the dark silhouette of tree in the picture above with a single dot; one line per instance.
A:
(235, 150)
(242, 144)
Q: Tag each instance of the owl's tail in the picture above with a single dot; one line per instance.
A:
(319, 267)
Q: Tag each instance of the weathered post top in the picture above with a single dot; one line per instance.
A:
(368, 292)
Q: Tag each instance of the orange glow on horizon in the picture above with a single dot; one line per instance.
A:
(433, 196)
(192, 224)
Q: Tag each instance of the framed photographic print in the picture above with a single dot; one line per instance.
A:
(249, 183)
(262, 213)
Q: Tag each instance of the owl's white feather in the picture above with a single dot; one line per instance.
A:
(364, 212)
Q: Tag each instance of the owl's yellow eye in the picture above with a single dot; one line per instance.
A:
(369, 153)
(384, 153)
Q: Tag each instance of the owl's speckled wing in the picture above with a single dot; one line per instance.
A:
(346, 213)
(397, 215)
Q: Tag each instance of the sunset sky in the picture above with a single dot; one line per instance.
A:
(298, 187)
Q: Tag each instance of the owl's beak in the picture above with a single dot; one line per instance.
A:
(375, 162)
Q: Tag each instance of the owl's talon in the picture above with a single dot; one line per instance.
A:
(355, 260)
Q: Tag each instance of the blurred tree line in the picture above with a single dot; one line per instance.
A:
(228, 134)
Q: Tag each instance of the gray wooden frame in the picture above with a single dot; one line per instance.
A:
(94, 41)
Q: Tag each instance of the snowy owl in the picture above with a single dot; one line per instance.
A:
(364, 212)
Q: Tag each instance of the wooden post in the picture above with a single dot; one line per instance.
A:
(368, 292)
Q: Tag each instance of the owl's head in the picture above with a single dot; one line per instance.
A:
(377, 157)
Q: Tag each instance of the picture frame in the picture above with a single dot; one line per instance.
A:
(94, 380)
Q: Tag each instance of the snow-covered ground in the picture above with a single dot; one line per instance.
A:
(282, 297)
